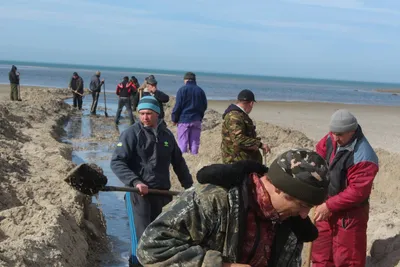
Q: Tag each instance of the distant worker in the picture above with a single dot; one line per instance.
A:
(142, 159)
(134, 81)
(76, 85)
(124, 91)
(188, 113)
(152, 90)
(239, 137)
(95, 88)
(13, 75)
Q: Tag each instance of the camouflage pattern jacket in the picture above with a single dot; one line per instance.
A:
(204, 227)
(238, 135)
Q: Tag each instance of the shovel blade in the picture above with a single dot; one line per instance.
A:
(87, 178)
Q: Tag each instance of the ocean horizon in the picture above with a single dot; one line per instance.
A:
(218, 86)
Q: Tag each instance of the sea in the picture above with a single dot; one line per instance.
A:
(218, 86)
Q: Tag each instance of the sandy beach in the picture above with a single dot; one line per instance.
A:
(31, 176)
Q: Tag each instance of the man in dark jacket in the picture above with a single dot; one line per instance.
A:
(76, 85)
(188, 113)
(239, 136)
(13, 75)
(95, 88)
(124, 91)
(343, 218)
(152, 90)
(134, 99)
(142, 159)
(233, 222)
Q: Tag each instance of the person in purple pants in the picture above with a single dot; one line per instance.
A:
(188, 113)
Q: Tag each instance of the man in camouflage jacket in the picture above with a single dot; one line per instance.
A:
(208, 225)
(239, 137)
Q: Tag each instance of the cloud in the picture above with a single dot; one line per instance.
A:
(344, 4)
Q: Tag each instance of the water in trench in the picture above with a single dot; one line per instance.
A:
(93, 139)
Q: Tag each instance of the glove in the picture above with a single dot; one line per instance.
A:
(304, 229)
(229, 175)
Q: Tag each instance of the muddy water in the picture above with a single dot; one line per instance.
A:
(93, 139)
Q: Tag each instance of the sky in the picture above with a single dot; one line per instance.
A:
(334, 39)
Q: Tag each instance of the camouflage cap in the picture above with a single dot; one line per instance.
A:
(302, 174)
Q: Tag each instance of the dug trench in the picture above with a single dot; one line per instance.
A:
(44, 222)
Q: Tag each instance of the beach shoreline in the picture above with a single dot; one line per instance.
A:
(283, 125)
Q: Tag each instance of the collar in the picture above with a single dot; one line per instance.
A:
(260, 200)
(240, 108)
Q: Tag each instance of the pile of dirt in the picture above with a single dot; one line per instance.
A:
(43, 222)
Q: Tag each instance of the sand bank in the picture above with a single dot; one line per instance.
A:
(42, 221)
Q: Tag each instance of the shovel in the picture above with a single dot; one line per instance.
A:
(105, 105)
(89, 180)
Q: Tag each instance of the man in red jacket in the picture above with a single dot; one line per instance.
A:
(124, 91)
(342, 220)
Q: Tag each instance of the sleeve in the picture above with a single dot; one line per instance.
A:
(176, 111)
(204, 102)
(175, 237)
(237, 134)
(180, 167)
(80, 87)
(320, 148)
(123, 154)
(117, 90)
(359, 178)
(69, 84)
(161, 96)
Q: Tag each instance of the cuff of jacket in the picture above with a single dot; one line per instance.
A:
(212, 258)
(136, 182)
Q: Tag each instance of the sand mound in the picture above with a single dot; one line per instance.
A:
(42, 220)
(384, 224)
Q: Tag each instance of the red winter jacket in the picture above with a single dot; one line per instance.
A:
(352, 170)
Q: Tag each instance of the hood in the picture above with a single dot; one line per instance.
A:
(13, 68)
(232, 107)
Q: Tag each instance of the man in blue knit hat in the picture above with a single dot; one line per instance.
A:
(142, 159)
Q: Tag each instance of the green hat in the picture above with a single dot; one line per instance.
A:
(302, 174)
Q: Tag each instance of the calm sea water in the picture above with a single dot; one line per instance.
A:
(216, 86)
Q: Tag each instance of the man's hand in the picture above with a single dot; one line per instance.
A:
(321, 213)
(143, 189)
(265, 148)
(174, 123)
(235, 265)
(102, 80)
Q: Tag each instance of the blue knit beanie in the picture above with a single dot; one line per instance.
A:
(149, 102)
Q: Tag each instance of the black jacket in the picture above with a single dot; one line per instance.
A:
(12, 75)
(143, 155)
(161, 98)
(231, 175)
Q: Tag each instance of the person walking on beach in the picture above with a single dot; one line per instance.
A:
(124, 91)
(136, 85)
(342, 219)
(229, 217)
(142, 159)
(152, 90)
(188, 113)
(76, 85)
(239, 136)
(95, 88)
(13, 76)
